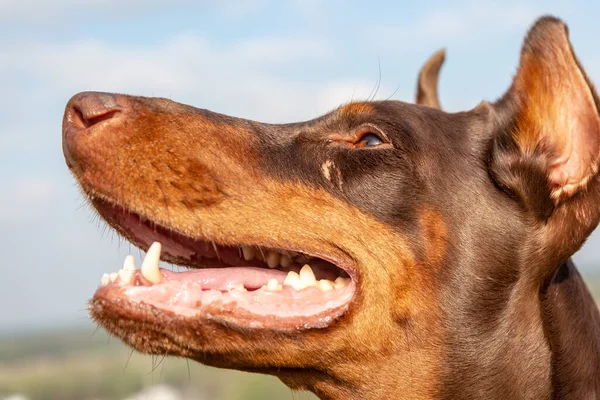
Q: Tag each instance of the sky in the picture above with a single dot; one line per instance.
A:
(273, 61)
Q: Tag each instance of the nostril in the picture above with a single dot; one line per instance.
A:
(89, 120)
(87, 116)
(87, 109)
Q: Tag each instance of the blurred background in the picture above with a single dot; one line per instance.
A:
(274, 61)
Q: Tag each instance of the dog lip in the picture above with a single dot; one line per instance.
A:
(192, 295)
(111, 211)
(111, 304)
(109, 208)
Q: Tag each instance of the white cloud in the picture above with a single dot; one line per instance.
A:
(11, 10)
(53, 11)
(250, 74)
(310, 8)
(469, 21)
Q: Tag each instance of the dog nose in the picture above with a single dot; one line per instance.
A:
(85, 111)
(90, 108)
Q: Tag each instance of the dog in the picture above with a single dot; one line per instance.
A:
(385, 250)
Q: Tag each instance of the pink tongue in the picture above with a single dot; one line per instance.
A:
(225, 279)
(187, 293)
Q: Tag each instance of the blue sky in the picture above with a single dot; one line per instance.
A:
(274, 61)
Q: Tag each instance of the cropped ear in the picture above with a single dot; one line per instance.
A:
(547, 150)
(427, 83)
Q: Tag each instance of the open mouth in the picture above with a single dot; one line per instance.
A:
(250, 285)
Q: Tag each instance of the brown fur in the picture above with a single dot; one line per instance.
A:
(355, 108)
(427, 83)
(453, 229)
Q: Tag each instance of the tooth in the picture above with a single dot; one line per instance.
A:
(149, 268)
(273, 259)
(273, 286)
(249, 252)
(126, 275)
(105, 280)
(325, 285)
(307, 277)
(293, 279)
(285, 261)
(341, 282)
(113, 276)
(240, 288)
(129, 263)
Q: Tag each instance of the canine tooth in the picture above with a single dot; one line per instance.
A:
(249, 252)
(325, 285)
(273, 286)
(126, 275)
(129, 263)
(273, 259)
(113, 276)
(285, 261)
(341, 282)
(293, 279)
(307, 276)
(149, 268)
(105, 280)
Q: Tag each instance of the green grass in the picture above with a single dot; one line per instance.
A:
(82, 365)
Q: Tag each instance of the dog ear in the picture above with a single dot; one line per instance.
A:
(427, 93)
(547, 149)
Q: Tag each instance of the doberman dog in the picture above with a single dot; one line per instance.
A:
(385, 250)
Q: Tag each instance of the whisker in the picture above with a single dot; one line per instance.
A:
(216, 250)
(128, 358)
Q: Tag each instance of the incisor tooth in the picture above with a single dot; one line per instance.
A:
(240, 288)
(341, 282)
(325, 285)
(105, 280)
(273, 286)
(126, 275)
(249, 252)
(113, 276)
(149, 268)
(307, 276)
(285, 261)
(273, 259)
(129, 263)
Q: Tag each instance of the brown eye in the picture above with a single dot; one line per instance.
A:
(369, 139)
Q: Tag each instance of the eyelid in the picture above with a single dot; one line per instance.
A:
(352, 137)
(370, 128)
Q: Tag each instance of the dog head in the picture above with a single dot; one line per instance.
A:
(430, 220)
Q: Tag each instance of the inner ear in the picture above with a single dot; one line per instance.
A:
(553, 129)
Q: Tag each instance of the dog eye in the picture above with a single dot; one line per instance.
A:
(369, 139)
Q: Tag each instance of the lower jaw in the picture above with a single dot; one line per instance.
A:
(249, 296)
(253, 309)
